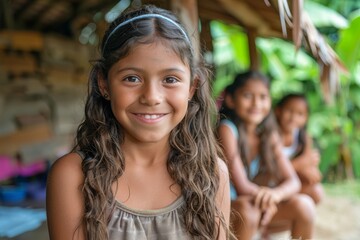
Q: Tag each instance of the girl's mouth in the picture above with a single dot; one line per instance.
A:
(149, 116)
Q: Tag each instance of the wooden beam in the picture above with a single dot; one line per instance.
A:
(254, 57)
(205, 36)
(187, 12)
(247, 15)
(8, 15)
(208, 14)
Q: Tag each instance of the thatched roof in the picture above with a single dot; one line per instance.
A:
(260, 18)
(285, 19)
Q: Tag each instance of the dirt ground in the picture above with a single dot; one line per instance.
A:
(338, 218)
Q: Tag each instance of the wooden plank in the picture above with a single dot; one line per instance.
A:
(11, 143)
(187, 12)
(24, 40)
(205, 36)
(209, 14)
(254, 57)
(18, 63)
(241, 10)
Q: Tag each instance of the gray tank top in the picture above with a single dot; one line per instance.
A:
(161, 224)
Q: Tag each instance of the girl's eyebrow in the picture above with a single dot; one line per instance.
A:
(171, 69)
(119, 70)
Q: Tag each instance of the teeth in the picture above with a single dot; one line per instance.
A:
(148, 116)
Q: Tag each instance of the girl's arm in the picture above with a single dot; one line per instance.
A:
(223, 198)
(238, 175)
(309, 156)
(290, 183)
(64, 199)
(306, 164)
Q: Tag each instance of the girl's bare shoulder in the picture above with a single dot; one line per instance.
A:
(222, 166)
(67, 168)
(275, 138)
(64, 198)
(223, 171)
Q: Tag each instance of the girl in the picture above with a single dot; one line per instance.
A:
(264, 184)
(145, 164)
(292, 113)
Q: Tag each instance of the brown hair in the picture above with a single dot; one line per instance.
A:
(192, 161)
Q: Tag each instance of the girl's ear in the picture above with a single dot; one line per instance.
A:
(229, 101)
(103, 86)
(193, 88)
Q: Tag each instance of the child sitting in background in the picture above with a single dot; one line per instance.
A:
(264, 184)
(292, 113)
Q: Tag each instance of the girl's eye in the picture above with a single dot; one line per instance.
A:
(171, 80)
(300, 114)
(132, 79)
(264, 96)
(247, 95)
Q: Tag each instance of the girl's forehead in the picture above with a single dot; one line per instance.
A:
(255, 84)
(297, 104)
(296, 101)
(149, 58)
(170, 46)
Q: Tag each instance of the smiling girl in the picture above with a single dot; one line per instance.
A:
(146, 164)
(264, 185)
(292, 113)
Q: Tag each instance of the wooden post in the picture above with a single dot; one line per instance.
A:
(7, 18)
(205, 36)
(187, 12)
(254, 58)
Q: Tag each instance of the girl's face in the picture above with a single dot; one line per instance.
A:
(293, 114)
(252, 102)
(149, 90)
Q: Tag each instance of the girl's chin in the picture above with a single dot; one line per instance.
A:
(287, 129)
(255, 122)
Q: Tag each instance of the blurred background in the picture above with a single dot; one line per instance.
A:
(46, 48)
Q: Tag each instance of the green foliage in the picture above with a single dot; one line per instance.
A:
(323, 16)
(348, 46)
(344, 7)
(332, 126)
(290, 71)
(348, 49)
(230, 53)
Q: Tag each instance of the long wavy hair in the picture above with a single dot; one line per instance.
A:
(302, 131)
(264, 130)
(192, 161)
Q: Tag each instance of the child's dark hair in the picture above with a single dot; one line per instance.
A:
(265, 128)
(302, 130)
(192, 162)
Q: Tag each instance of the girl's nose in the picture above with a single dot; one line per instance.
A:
(291, 117)
(256, 101)
(151, 94)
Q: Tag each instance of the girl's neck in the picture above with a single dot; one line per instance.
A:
(250, 129)
(146, 154)
(288, 137)
(146, 176)
(288, 133)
